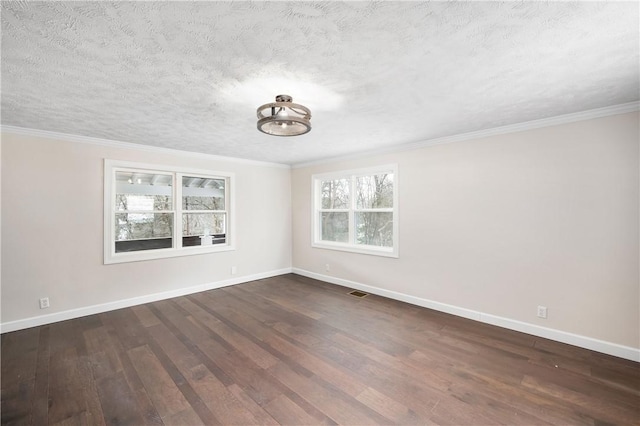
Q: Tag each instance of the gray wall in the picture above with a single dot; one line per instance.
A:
(496, 226)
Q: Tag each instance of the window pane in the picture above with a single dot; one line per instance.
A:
(375, 191)
(335, 226)
(202, 193)
(143, 191)
(374, 229)
(143, 231)
(335, 194)
(196, 224)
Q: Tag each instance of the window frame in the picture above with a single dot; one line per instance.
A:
(111, 167)
(351, 245)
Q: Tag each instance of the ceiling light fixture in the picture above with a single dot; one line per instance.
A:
(284, 118)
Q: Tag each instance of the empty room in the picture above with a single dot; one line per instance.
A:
(303, 213)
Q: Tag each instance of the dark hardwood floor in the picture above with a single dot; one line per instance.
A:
(291, 350)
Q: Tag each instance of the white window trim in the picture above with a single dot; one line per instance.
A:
(110, 256)
(352, 247)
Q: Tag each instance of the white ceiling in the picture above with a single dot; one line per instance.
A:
(190, 75)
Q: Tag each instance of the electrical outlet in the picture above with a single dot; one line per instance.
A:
(44, 303)
(327, 267)
(234, 270)
(542, 312)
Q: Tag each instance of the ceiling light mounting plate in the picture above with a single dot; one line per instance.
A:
(284, 98)
(284, 118)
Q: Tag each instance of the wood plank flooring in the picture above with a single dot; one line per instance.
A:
(292, 350)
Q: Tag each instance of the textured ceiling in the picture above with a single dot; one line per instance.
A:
(190, 75)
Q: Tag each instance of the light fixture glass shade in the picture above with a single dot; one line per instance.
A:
(284, 118)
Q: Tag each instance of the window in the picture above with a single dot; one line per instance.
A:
(357, 211)
(149, 216)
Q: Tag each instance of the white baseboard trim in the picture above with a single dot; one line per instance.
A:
(609, 348)
(125, 303)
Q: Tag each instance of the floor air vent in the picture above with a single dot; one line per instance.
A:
(357, 293)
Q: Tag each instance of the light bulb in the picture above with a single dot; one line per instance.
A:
(283, 112)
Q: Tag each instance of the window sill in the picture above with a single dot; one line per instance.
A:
(370, 250)
(138, 256)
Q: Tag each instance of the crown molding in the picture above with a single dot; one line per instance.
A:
(23, 131)
(512, 128)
